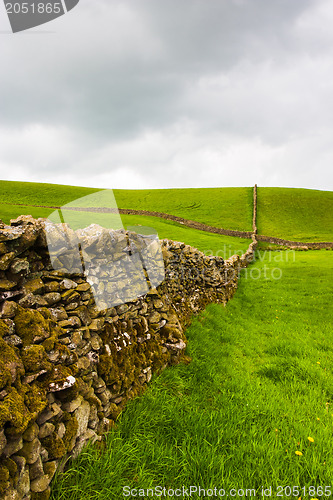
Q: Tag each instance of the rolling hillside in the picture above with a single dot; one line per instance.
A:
(293, 214)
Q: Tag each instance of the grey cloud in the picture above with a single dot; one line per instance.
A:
(189, 74)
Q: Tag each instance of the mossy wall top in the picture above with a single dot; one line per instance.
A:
(67, 367)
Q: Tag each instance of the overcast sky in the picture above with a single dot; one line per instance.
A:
(171, 93)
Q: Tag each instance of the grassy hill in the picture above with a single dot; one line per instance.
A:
(230, 208)
(25, 193)
(295, 214)
(221, 207)
(38, 193)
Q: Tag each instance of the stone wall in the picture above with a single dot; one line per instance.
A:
(67, 368)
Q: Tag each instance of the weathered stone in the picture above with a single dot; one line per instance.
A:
(40, 484)
(31, 300)
(46, 430)
(82, 417)
(88, 436)
(13, 446)
(36, 469)
(8, 309)
(35, 286)
(62, 385)
(5, 260)
(52, 298)
(122, 309)
(93, 357)
(83, 313)
(6, 284)
(97, 324)
(96, 342)
(58, 314)
(44, 455)
(67, 284)
(49, 413)
(13, 340)
(23, 483)
(30, 450)
(20, 266)
(83, 287)
(11, 494)
(31, 433)
(72, 322)
(154, 317)
(50, 468)
(23, 480)
(30, 378)
(83, 364)
(3, 440)
(61, 430)
(52, 286)
(158, 304)
(77, 338)
(3, 248)
(70, 296)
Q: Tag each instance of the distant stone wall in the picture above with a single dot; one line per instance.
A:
(296, 245)
(67, 368)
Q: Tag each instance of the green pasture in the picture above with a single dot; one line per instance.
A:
(295, 214)
(253, 409)
(221, 207)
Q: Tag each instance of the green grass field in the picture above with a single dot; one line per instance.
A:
(37, 193)
(221, 207)
(295, 214)
(209, 243)
(230, 208)
(260, 384)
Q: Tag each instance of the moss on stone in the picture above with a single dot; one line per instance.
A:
(35, 399)
(11, 466)
(4, 478)
(43, 495)
(21, 407)
(5, 376)
(35, 359)
(114, 411)
(4, 328)
(54, 446)
(14, 412)
(71, 424)
(45, 312)
(52, 342)
(31, 324)
(11, 367)
(107, 369)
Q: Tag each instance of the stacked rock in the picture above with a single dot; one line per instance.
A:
(67, 366)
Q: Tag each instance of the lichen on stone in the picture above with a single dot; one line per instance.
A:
(71, 424)
(54, 445)
(4, 479)
(31, 326)
(35, 358)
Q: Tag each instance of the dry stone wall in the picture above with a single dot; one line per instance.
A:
(67, 368)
